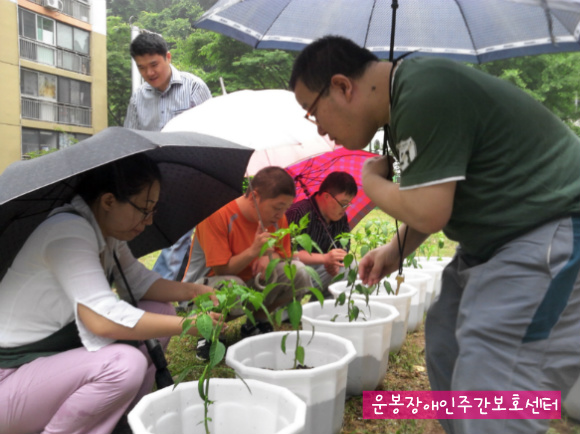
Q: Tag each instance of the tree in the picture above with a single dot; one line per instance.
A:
(211, 56)
(118, 69)
(552, 79)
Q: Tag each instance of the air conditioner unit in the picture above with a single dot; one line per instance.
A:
(53, 5)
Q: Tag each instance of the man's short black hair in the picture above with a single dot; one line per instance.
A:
(327, 56)
(271, 182)
(337, 183)
(148, 43)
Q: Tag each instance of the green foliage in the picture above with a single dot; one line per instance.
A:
(294, 308)
(374, 233)
(118, 69)
(227, 297)
(552, 79)
(36, 154)
(211, 56)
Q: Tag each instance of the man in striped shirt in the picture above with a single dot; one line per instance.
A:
(166, 93)
(327, 209)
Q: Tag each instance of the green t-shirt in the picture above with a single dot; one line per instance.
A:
(516, 164)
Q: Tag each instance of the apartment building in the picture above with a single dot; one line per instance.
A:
(53, 74)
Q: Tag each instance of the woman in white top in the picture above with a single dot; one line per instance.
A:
(61, 367)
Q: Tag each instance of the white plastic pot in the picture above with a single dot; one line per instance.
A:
(572, 402)
(442, 262)
(264, 409)
(433, 272)
(424, 283)
(402, 302)
(322, 387)
(370, 334)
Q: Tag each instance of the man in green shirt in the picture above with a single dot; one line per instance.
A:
(497, 172)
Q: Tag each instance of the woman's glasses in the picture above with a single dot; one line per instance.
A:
(146, 213)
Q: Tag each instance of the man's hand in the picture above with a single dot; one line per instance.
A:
(333, 261)
(377, 263)
(259, 266)
(381, 166)
(259, 240)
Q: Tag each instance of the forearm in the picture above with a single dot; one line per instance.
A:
(236, 263)
(426, 209)
(310, 258)
(412, 240)
(151, 325)
(164, 290)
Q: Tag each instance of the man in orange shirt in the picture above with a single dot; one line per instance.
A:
(227, 244)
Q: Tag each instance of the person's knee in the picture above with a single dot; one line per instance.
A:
(302, 279)
(126, 367)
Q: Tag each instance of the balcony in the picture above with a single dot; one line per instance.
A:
(51, 55)
(54, 112)
(81, 10)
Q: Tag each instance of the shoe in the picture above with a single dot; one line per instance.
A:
(262, 327)
(184, 306)
(203, 347)
(122, 426)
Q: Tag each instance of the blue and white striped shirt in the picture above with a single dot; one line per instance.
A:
(150, 109)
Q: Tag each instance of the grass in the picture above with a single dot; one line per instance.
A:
(406, 371)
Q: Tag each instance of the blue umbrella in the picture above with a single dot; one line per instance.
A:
(474, 31)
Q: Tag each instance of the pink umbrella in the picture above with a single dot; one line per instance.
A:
(310, 173)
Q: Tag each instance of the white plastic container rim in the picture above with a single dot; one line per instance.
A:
(306, 336)
(391, 314)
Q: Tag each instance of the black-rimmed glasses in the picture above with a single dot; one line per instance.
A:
(309, 116)
(146, 213)
(342, 205)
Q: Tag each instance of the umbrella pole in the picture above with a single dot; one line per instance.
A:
(394, 6)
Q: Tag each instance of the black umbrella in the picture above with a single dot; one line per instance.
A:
(200, 174)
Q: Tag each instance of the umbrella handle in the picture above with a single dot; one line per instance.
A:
(257, 283)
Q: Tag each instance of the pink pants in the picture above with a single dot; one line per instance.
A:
(77, 391)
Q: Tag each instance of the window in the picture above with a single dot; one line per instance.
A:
(34, 140)
(38, 140)
(47, 97)
(64, 37)
(47, 31)
(29, 83)
(47, 86)
(74, 92)
(27, 24)
(81, 41)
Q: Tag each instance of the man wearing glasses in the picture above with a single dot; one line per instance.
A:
(327, 210)
(497, 172)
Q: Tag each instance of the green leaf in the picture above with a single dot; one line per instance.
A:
(348, 260)
(341, 299)
(300, 354)
(388, 287)
(354, 311)
(295, 314)
(283, 343)
(204, 325)
(305, 242)
(313, 275)
(217, 352)
(290, 271)
(364, 250)
(200, 383)
(270, 268)
(317, 294)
